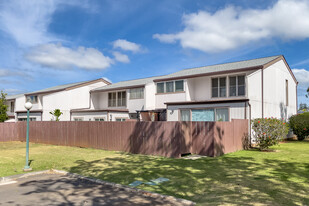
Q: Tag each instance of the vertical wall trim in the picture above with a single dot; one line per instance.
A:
(296, 99)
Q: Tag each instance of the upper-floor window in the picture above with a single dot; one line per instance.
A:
(170, 86)
(237, 85)
(137, 93)
(218, 87)
(12, 106)
(117, 99)
(33, 99)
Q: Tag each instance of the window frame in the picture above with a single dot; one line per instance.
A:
(174, 87)
(116, 99)
(237, 85)
(99, 119)
(31, 100)
(201, 108)
(78, 119)
(143, 93)
(123, 119)
(219, 86)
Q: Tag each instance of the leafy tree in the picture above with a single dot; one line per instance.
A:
(303, 106)
(56, 114)
(3, 107)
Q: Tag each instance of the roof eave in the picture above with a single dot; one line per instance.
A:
(117, 88)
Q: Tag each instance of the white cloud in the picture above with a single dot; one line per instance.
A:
(232, 27)
(10, 72)
(58, 56)
(302, 77)
(121, 57)
(126, 45)
(27, 21)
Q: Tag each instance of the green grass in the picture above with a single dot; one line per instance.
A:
(240, 178)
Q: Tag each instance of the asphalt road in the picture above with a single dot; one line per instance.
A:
(55, 189)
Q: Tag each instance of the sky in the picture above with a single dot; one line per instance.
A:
(52, 42)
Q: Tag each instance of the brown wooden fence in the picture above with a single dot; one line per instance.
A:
(170, 139)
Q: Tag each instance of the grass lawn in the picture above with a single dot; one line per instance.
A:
(244, 177)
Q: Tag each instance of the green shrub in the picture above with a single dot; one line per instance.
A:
(269, 131)
(300, 125)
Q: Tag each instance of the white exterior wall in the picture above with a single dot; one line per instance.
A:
(150, 96)
(254, 88)
(237, 110)
(275, 92)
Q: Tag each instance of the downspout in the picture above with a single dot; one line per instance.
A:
(249, 123)
(262, 82)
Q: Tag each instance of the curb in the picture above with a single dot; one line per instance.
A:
(98, 181)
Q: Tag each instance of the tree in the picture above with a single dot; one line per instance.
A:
(3, 107)
(303, 106)
(307, 95)
(56, 114)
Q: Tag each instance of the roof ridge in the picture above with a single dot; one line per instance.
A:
(229, 63)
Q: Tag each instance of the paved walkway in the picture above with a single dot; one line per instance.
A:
(55, 189)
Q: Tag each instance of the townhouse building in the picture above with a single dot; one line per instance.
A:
(256, 88)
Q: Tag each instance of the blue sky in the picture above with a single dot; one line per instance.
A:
(47, 43)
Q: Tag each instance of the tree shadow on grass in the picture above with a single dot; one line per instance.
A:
(228, 179)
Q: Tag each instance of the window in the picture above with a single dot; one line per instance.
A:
(117, 99)
(25, 119)
(160, 87)
(237, 86)
(99, 119)
(287, 92)
(137, 93)
(32, 99)
(179, 86)
(121, 119)
(218, 87)
(78, 119)
(170, 86)
(222, 114)
(207, 114)
(12, 106)
(185, 115)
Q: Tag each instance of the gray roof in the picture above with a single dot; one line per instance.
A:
(129, 83)
(189, 72)
(57, 88)
(11, 97)
(222, 67)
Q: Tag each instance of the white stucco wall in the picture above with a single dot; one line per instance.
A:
(237, 110)
(78, 98)
(274, 92)
(150, 96)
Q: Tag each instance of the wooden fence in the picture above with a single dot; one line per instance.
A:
(170, 139)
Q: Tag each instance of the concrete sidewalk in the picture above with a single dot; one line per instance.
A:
(59, 189)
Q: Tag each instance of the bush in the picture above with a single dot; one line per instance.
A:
(269, 132)
(300, 125)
